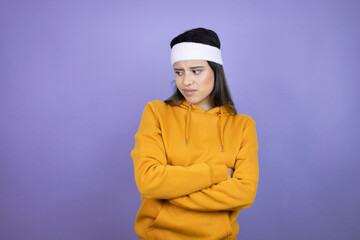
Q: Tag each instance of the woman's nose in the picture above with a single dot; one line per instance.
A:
(188, 79)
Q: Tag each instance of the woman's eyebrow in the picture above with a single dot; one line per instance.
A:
(176, 69)
(196, 67)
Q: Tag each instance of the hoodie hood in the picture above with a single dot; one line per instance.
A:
(220, 111)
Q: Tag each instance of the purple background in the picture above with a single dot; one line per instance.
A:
(75, 77)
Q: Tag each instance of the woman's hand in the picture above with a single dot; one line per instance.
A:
(230, 172)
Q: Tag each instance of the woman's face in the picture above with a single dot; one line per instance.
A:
(195, 81)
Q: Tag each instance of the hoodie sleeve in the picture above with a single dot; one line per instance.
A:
(235, 193)
(154, 178)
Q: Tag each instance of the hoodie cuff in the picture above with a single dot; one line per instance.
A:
(218, 173)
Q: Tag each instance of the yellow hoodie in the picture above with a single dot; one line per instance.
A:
(181, 156)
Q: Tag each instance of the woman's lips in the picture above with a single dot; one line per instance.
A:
(189, 92)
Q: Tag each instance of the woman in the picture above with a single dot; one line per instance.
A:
(195, 158)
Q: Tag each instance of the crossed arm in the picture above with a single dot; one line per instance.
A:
(213, 190)
(156, 179)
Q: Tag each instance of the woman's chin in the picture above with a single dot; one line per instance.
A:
(191, 100)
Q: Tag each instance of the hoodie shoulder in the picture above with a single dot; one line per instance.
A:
(244, 118)
(157, 104)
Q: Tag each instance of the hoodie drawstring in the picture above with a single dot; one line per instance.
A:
(221, 129)
(220, 114)
(187, 125)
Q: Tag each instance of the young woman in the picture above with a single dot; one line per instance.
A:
(195, 158)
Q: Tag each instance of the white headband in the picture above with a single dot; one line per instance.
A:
(192, 50)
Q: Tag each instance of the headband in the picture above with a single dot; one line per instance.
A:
(192, 50)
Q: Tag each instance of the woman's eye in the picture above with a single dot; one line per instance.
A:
(179, 73)
(196, 71)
